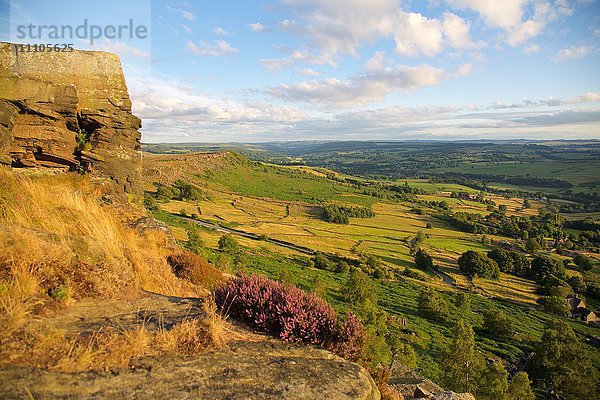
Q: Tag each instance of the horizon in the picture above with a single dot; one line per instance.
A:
(279, 70)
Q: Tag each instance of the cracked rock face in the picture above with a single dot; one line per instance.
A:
(48, 99)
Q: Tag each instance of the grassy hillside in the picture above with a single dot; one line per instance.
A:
(282, 203)
(65, 238)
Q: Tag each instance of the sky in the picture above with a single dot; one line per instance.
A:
(281, 70)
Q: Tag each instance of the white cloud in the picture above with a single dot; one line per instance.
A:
(376, 62)
(589, 97)
(174, 112)
(509, 15)
(525, 31)
(257, 27)
(456, 30)
(217, 48)
(370, 87)
(183, 13)
(532, 48)
(340, 26)
(275, 64)
(418, 34)
(335, 27)
(186, 28)
(307, 72)
(571, 53)
(121, 48)
(499, 13)
(220, 31)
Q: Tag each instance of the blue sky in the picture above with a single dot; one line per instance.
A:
(348, 69)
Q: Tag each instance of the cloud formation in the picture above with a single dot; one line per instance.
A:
(215, 49)
(370, 87)
(571, 53)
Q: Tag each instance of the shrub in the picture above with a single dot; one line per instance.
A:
(321, 262)
(189, 266)
(228, 244)
(423, 260)
(584, 262)
(431, 304)
(554, 305)
(290, 313)
(477, 265)
(59, 294)
(496, 322)
(544, 268)
(342, 214)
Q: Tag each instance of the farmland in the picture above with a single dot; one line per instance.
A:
(285, 203)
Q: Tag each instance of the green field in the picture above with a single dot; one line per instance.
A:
(284, 203)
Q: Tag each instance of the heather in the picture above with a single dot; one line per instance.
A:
(290, 313)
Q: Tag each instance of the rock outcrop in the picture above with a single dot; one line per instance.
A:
(68, 110)
(253, 366)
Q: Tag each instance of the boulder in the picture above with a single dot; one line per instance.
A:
(49, 100)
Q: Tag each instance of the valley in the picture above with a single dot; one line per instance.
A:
(275, 213)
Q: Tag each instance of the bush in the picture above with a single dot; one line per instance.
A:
(342, 214)
(321, 262)
(504, 260)
(431, 304)
(191, 267)
(228, 244)
(544, 268)
(584, 262)
(477, 265)
(290, 313)
(60, 294)
(554, 305)
(496, 322)
(423, 260)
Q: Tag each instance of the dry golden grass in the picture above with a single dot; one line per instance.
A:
(195, 269)
(56, 236)
(112, 349)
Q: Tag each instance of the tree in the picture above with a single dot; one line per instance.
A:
(419, 239)
(342, 267)
(405, 353)
(477, 265)
(194, 242)
(228, 244)
(584, 262)
(461, 365)
(519, 387)
(496, 322)
(521, 264)
(493, 382)
(185, 191)
(423, 260)
(532, 246)
(578, 284)
(359, 289)
(431, 304)
(561, 363)
(463, 302)
(544, 268)
(526, 203)
(317, 286)
(503, 258)
(321, 262)
(554, 305)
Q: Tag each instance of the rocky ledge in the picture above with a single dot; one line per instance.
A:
(68, 110)
(253, 366)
